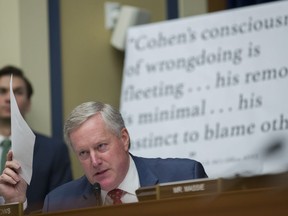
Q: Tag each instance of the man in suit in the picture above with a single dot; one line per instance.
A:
(51, 161)
(100, 140)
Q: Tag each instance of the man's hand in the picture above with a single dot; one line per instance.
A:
(12, 186)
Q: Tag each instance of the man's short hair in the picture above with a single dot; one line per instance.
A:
(8, 70)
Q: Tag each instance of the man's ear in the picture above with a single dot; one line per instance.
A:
(125, 138)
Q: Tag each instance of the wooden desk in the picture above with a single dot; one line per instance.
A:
(252, 202)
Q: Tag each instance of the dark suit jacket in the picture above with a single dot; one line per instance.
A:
(79, 193)
(51, 168)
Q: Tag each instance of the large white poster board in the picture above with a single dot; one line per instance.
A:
(212, 88)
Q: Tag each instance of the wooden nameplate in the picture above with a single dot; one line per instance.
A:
(12, 209)
(210, 186)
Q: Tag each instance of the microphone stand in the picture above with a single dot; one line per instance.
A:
(97, 192)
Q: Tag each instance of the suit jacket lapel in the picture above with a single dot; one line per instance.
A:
(88, 198)
(146, 176)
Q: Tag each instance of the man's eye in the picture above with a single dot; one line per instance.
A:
(3, 91)
(19, 92)
(83, 155)
(102, 147)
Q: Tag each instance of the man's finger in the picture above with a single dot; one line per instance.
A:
(9, 155)
(8, 177)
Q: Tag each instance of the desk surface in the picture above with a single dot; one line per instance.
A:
(264, 202)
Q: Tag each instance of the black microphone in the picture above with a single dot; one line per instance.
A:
(97, 192)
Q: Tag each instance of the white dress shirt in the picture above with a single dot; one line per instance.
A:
(130, 184)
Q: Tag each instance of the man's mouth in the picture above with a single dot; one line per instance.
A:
(101, 172)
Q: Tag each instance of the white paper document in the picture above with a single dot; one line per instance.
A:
(22, 137)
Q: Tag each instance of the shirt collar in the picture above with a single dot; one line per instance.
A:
(131, 181)
(3, 138)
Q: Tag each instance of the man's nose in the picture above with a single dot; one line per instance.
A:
(95, 158)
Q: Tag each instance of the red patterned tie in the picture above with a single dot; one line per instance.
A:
(116, 195)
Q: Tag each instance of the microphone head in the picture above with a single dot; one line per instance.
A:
(96, 186)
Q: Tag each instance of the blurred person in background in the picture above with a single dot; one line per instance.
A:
(51, 161)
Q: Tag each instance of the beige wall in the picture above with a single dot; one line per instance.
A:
(191, 8)
(24, 43)
(9, 32)
(34, 50)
